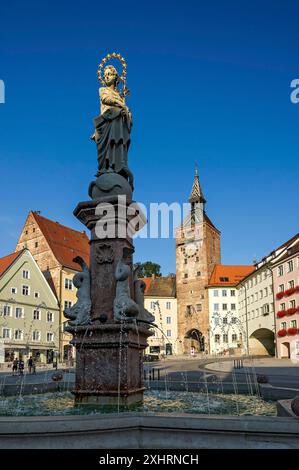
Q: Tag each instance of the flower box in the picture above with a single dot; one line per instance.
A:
(292, 331)
(282, 333)
(281, 313)
(279, 295)
(291, 311)
(290, 291)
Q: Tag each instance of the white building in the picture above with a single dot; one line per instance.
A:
(160, 300)
(256, 310)
(226, 330)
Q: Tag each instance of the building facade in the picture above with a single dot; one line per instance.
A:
(227, 332)
(197, 252)
(29, 312)
(285, 268)
(54, 247)
(160, 300)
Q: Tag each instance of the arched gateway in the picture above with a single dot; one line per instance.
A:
(194, 339)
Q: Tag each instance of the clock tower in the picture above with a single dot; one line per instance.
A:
(197, 252)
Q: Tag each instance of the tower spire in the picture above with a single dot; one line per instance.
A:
(196, 194)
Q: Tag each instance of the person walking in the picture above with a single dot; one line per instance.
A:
(21, 367)
(15, 365)
(30, 365)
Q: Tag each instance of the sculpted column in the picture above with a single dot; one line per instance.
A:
(109, 323)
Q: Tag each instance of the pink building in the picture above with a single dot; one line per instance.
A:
(285, 269)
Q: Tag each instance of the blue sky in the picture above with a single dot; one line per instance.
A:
(210, 82)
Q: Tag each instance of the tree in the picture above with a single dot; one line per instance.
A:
(147, 269)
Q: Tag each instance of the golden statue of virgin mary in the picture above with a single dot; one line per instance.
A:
(113, 126)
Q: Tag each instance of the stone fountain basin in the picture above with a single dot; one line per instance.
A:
(149, 431)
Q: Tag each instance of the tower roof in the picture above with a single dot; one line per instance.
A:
(196, 194)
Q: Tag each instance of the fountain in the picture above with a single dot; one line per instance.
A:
(110, 327)
(109, 323)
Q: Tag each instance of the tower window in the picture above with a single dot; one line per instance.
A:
(185, 275)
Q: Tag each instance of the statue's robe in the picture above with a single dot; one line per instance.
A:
(112, 134)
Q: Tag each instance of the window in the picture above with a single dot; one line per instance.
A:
(50, 337)
(233, 306)
(292, 304)
(224, 321)
(168, 333)
(224, 293)
(189, 309)
(280, 270)
(197, 259)
(19, 334)
(19, 312)
(281, 288)
(216, 321)
(257, 312)
(33, 230)
(36, 295)
(224, 279)
(13, 290)
(198, 273)
(68, 284)
(26, 290)
(36, 335)
(185, 276)
(234, 337)
(282, 306)
(6, 333)
(291, 285)
(234, 320)
(224, 306)
(225, 338)
(290, 266)
(7, 311)
(216, 307)
(284, 325)
(168, 305)
(215, 293)
(36, 315)
(261, 294)
(233, 293)
(266, 309)
(68, 304)
(266, 291)
(217, 338)
(198, 307)
(185, 261)
(36, 244)
(26, 274)
(294, 324)
(50, 317)
(168, 320)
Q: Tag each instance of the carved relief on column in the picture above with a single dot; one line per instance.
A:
(104, 253)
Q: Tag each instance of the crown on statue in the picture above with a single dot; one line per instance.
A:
(122, 78)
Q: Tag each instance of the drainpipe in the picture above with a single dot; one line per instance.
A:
(60, 318)
(274, 316)
(246, 316)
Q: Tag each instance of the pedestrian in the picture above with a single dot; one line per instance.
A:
(21, 367)
(15, 366)
(30, 365)
(33, 367)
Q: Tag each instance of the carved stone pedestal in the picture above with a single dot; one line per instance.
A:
(109, 365)
(109, 369)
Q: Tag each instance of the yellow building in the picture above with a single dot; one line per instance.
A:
(54, 246)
